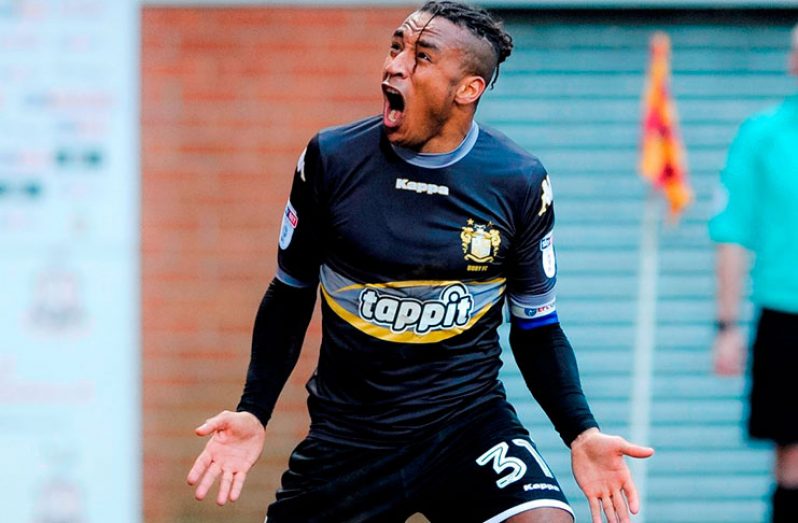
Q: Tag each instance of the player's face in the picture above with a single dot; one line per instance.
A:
(420, 79)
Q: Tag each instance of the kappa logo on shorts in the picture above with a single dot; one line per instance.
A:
(541, 486)
(452, 309)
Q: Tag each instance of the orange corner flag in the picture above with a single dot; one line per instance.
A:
(662, 157)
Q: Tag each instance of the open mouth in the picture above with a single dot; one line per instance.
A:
(394, 106)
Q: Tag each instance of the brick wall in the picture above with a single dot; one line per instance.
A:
(229, 99)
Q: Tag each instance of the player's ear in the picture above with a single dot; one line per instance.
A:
(470, 89)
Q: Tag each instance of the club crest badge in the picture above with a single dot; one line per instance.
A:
(480, 242)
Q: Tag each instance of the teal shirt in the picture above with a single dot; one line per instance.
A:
(760, 208)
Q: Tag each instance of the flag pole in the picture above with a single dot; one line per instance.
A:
(645, 339)
(662, 162)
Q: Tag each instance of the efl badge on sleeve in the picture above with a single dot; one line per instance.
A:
(288, 225)
(548, 257)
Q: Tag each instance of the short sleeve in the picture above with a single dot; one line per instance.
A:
(301, 236)
(736, 197)
(533, 271)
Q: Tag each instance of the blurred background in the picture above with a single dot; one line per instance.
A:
(146, 153)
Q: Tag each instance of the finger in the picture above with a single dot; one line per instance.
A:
(595, 509)
(211, 425)
(621, 512)
(200, 465)
(609, 510)
(238, 484)
(205, 485)
(631, 496)
(224, 487)
(636, 451)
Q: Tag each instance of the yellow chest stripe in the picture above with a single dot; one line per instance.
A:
(417, 283)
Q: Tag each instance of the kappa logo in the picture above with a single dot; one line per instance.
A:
(453, 308)
(300, 164)
(541, 486)
(480, 242)
(546, 197)
(421, 187)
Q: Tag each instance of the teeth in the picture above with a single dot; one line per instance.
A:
(393, 115)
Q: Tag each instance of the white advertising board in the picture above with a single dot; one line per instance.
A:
(69, 261)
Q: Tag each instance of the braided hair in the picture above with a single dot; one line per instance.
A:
(481, 24)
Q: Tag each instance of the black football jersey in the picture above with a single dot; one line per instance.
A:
(415, 255)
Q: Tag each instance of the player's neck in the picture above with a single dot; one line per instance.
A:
(450, 136)
(440, 160)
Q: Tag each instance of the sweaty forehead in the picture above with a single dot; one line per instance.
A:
(438, 30)
(417, 20)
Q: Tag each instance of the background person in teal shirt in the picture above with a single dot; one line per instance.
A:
(760, 214)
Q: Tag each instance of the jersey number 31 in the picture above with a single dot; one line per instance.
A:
(501, 461)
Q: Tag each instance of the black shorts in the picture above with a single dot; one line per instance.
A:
(481, 468)
(774, 371)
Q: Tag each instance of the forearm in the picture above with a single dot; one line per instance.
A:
(547, 363)
(280, 326)
(730, 271)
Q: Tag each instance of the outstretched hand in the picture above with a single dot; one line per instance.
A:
(600, 471)
(236, 443)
